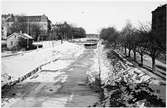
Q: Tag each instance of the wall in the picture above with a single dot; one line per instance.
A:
(159, 23)
(14, 40)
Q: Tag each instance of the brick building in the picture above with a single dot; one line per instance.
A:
(159, 24)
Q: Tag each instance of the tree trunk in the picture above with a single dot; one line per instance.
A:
(153, 64)
(134, 51)
(122, 48)
(129, 53)
(125, 50)
(115, 45)
(141, 55)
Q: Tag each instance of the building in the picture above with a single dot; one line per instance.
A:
(5, 25)
(18, 41)
(41, 21)
(159, 24)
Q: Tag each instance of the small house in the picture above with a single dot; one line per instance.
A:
(18, 41)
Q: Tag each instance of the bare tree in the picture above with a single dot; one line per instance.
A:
(153, 48)
(134, 41)
(149, 44)
(127, 33)
(143, 40)
(35, 31)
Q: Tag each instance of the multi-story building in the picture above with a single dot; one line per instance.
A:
(5, 25)
(159, 24)
(42, 21)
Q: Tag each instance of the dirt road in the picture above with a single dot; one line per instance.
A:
(66, 87)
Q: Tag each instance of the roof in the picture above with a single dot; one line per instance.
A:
(28, 36)
(41, 18)
(24, 35)
(160, 8)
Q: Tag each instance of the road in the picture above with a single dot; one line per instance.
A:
(52, 87)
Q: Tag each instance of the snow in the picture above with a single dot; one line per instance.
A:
(94, 70)
(60, 64)
(131, 74)
(44, 77)
(105, 66)
(59, 102)
(22, 64)
(28, 36)
(9, 102)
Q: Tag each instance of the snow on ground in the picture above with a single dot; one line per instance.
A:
(22, 64)
(147, 61)
(106, 67)
(94, 70)
(98, 65)
(130, 74)
(60, 64)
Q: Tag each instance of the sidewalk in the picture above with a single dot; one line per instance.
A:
(131, 73)
(147, 63)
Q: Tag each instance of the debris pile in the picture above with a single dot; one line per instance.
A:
(127, 86)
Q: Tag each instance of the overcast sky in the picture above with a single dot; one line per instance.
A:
(91, 15)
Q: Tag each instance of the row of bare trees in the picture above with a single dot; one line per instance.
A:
(65, 31)
(140, 40)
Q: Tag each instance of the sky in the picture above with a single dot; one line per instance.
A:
(92, 15)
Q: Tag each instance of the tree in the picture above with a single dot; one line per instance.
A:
(127, 33)
(142, 40)
(19, 25)
(153, 47)
(67, 31)
(53, 33)
(149, 43)
(35, 31)
(110, 34)
(78, 32)
(104, 34)
(22, 25)
(134, 42)
(113, 36)
(64, 31)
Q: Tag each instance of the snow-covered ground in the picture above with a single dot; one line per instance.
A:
(147, 62)
(60, 83)
(98, 66)
(130, 73)
(20, 65)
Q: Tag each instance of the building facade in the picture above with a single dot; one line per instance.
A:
(41, 21)
(18, 41)
(5, 25)
(159, 24)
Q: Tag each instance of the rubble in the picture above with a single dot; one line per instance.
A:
(126, 84)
